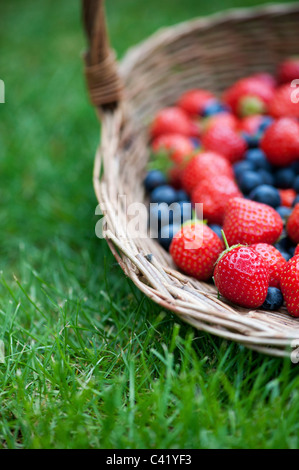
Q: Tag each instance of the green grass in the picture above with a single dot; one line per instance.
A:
(91, 362)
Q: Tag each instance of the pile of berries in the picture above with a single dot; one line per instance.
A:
(237, 158)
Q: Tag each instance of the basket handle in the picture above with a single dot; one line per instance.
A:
(103, 80)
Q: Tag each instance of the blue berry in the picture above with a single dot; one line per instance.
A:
(258, 159)
(295, 167)
(163, 193)
(267, 177)
(274, 299)
(213, 107)
(166, 235)
(285, 254)
(249, 180)
(242, 166)
(181, 195)
(266, 122)
(217, 229)
(195, 142)
(284, 212)
(267, 195)
(296, 184)
(153, 179)
(292, 251)
(251, 140)
(296, 201)
(284, 178)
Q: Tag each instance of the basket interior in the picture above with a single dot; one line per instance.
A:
(208, 53)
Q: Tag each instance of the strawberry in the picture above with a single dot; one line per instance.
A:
(251, 222)
(281, 142)
(177, 147)
(275, 260)
(287, 197)
(288, 70)
(205, 165)
(282, 104)
(296, 250)
(214, 193)
(194, 101)
(249, 95)
(195, 249)
(289, 283)
(224, 139)
(172, 120)
(222, 119)
(251, 124)
(242, 276)
(266, 78)
(293, 225)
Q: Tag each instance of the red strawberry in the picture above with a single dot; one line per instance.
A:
(249, 95)
(283, 104)
(214, 193)
(222, 119)
(288, 70)
(289, 283)
(287, 197)
(172, 120)
(266, 78)
(194, 101)
(297, 250)
(174, 175)
(242, 276)
(205, 165)
(275, 260)
(195, 249)
(281, 142)
(251, 222)
(222, 138)
(176, 146)
(293, 225)
(251, 124)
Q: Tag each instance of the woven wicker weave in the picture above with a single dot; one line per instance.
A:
(206, 53)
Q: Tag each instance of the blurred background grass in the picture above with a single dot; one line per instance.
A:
(89, 361)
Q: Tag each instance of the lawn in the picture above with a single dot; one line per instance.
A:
(89, 361)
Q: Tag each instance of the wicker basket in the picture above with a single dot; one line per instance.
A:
(207, 53)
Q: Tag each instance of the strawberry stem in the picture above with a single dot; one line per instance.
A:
(225, 240)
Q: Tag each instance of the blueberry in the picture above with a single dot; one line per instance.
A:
(242, 166)
(166, 235)
(195, 142)
(182, 212)
(284, 178)
(292, 251)
(258, 159)
(217, 229)
(251, 140)
(296, 184)
(249, 180)
(163, 193)
(284, 212)
(267, 195)
(266, 122)
(284, 243)
(159, 215)
(285, 254)
(153, 179)
(295, 167)
(296, 201)
(274, 299)
(267, 177)
(181, 195)
(213, 107)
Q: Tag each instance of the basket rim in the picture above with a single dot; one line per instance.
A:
(263, 340)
